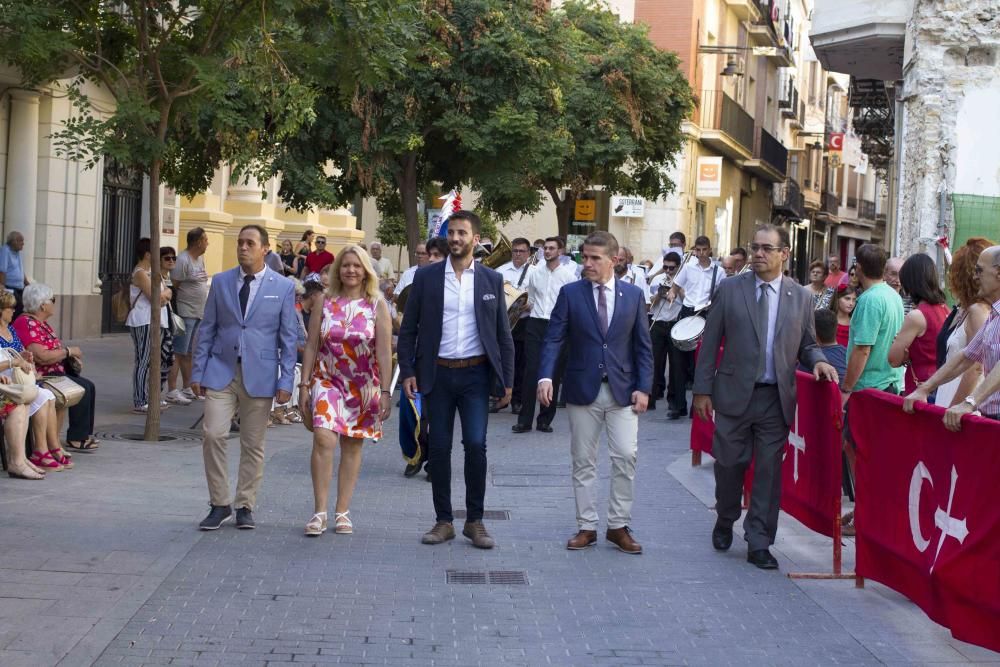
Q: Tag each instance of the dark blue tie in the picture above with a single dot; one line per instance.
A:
(245, 294)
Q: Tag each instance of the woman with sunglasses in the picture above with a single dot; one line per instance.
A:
(139, 316)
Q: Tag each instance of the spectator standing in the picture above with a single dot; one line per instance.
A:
(842, 304)
(138, 321)
(966, 320)
(190, 285)
(12, 275)
(382, 265)
(289, 259)
(876, 320)
(821, 294)
(544, 284)
(406, 278)
(634, 275)
(302, 248)
(318, 259)
(892, 268)
(664, 314)
(516, 273)
(915, 345)
(728, 264)
(834, 274)
(826, 338)
(984, 349)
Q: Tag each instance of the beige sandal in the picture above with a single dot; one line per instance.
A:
(342, 523)
(316, 525)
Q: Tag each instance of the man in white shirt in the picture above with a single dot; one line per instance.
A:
(544, 283)
(382, 265)
(664, 313)
(516, 273)
(407, 277)
(633, 275)
(694, 287)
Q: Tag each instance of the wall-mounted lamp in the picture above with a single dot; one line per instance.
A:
(731, 68)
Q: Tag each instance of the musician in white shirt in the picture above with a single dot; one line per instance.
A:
(516, 273)
(664, 314)
(544, 283)
(634, 275)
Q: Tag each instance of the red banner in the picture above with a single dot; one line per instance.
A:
(811, 474)
(927, 521)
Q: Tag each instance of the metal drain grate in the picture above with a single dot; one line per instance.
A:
(136, 435)
(496, 577)
(488, 515)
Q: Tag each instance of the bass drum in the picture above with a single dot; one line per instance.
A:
(515, 299)
(687, 333)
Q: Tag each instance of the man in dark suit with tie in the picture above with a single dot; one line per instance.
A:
(766, 320)
(454, 346)
(609, 376)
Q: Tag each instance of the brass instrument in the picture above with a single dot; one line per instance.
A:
(500, 254)
(515, 298)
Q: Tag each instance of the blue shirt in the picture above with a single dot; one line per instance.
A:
(10, 266)
(836, 356)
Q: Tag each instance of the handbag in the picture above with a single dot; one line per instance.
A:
(22, 389)
(67, 392)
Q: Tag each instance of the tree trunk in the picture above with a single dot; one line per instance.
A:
(152, 431)
(564, 208)
(406, 181)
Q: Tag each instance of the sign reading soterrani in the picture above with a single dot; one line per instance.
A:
(628, 207)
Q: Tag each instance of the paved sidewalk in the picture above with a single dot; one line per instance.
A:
(103, 565)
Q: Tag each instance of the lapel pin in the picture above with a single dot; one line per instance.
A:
(788, 293)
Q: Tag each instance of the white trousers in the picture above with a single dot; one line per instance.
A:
(586, 422)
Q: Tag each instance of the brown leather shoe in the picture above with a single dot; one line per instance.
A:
(476, 531)
(622, 538)
(582, 540)
(441, 532)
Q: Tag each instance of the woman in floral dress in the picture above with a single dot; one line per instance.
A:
(345, 396)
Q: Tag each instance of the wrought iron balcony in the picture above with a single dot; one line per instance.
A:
(830, 203)
(787, 199)
(866, 210)
(772, 151)
(725, 126)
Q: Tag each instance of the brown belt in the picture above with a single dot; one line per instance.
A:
(462, 363)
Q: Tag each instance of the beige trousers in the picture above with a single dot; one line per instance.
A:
(220, 408)
(586, 422)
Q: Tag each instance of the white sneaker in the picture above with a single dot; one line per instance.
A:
(178, 397)
(141, 410)
(190, 395)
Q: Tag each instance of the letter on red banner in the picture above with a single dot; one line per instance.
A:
(928, 511)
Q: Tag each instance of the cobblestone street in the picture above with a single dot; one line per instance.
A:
(103, 565)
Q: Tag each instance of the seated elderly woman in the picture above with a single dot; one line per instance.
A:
(48, 454)
(51, 357)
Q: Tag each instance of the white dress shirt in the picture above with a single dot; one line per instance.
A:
(512, 274)
(383, 267)
(696, 281)
(664, 310)
(635, 275)
(459, 333)
(543, 288)
(405, 280)
(258, 280)
(770, 376)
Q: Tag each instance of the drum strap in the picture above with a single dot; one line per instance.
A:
(711, 290)
(524, 272)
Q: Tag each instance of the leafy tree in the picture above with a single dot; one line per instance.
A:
(467, 95)
(622, 103)
(195, 83)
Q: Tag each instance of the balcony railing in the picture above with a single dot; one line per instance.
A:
(721, 112)
(852, 202)
(789, 97)
(830, 203)
(866, 210)
(771, 151)
(788, 199)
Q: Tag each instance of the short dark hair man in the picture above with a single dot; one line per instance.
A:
(454, 346)
(766, 320)
(190, 286)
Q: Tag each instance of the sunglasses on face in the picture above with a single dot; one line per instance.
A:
(169, 258)
(320, 242)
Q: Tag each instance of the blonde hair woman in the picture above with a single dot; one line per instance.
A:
(346, 366)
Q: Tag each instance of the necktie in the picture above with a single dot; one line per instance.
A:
(245, 294)
(762, 308)
(602, 310)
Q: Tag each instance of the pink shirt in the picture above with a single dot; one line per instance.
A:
(985, 349)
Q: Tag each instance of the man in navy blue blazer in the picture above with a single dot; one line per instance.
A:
(608, 379)
(454, 346)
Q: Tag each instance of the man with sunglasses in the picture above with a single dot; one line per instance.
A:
(318, 259)
(766, 320)
(664, 314)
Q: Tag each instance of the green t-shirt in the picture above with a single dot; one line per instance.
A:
(877, 319)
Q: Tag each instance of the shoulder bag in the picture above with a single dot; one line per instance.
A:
(22, 388)
(67, 392)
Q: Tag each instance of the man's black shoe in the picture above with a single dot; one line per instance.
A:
(544, 428)
(673, 415)
(244, 519)
(515, 408)
(493, 407)
(412, 469)
(763, 559)
(520, 428)
(651, 405)
(218, 516)
(722, 537)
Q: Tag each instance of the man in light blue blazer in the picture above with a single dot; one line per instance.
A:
(244, 360)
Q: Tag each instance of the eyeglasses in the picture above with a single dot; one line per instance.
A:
(169, 258)
(669, 268)
(767, 248)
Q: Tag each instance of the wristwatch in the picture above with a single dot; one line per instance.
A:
(970, 399)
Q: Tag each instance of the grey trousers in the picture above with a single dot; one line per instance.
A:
(759, 435)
